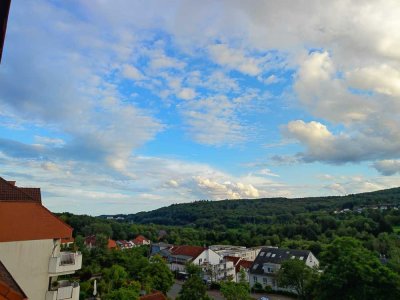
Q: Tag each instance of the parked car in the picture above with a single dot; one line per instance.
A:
(263, 298)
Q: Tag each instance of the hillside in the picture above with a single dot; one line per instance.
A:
(257, 211)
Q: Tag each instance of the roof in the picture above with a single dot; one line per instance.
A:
(4, 10)
(191, 251)
(10, 192)
(25, 221)
(238, 262)
(9, 288)
(91, 241)
(246, 264)
(139, 239)
(154, 296)
(276, 256)
(111, 244)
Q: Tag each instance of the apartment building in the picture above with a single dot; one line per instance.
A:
(30, 246)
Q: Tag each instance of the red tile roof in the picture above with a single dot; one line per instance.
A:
(192, 251)
(239, 263)
(111, 244)
(10, 192)
(9, 288)
(139, 240)
(154, 296)
(24, 221)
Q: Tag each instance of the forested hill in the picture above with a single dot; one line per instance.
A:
(257, 211)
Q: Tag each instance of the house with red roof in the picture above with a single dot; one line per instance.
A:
(90, 242)
(239, 264)
(30, 247)
(141, 240)
(214, 266)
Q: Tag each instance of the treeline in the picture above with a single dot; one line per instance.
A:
(233, 213)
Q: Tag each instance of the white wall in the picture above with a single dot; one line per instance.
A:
(28, 263)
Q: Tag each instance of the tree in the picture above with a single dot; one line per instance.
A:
(193, 288)
(159, 275)
(129, 292)
(353, 273)
(295, 274)
(235, 291)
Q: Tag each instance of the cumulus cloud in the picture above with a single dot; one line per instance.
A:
(234, 59)
(387, 167)
(226, 190)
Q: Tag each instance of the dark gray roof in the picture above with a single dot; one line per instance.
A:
(276, 256)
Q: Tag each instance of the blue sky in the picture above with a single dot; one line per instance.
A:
(125, 106)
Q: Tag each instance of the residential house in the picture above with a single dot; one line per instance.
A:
(141, 240)
(30, 246)
(90, 242)
(268, 262)
(240, 264)
(214, 266)
(237, 251)
(123, 244)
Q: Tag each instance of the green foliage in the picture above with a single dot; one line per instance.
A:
(159, 275)
(294, 274)
(193, 288)
(130, 292)
(353, 272)
(235, 291)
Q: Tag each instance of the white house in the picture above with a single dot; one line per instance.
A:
(236, 251)
(30, 239)
(214, 266)
(269, 260)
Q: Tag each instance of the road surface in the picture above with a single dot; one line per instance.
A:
(216, 295)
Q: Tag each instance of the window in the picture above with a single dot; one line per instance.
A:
(200, 260)
(262, 253)
(301, 257)
(273, 255)
(255, 266)
(255, 279)
(268, 254)
(265, 280)
(292, 257)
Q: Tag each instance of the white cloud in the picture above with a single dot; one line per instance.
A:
(234, 59)
(382, 79)
(387, 167)
(131, 72)
(187, 94)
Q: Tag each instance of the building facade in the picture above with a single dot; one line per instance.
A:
(30, 245)
(268, 262)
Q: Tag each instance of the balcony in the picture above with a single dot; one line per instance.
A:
(65, 263)
(65, 290)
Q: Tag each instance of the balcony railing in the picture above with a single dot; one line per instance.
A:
(65, 263)
(65, 290)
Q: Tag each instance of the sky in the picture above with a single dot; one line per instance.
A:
(124, 106)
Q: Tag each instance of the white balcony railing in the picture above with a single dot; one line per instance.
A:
(64, 291)
(65, 263)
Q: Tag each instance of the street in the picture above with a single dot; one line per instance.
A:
(216, 295)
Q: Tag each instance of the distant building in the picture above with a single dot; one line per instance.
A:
(268, 262)
(237, 251)
(240, 264)
(214, 266)
(141, 240)
(90, 242)
(30, 247)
